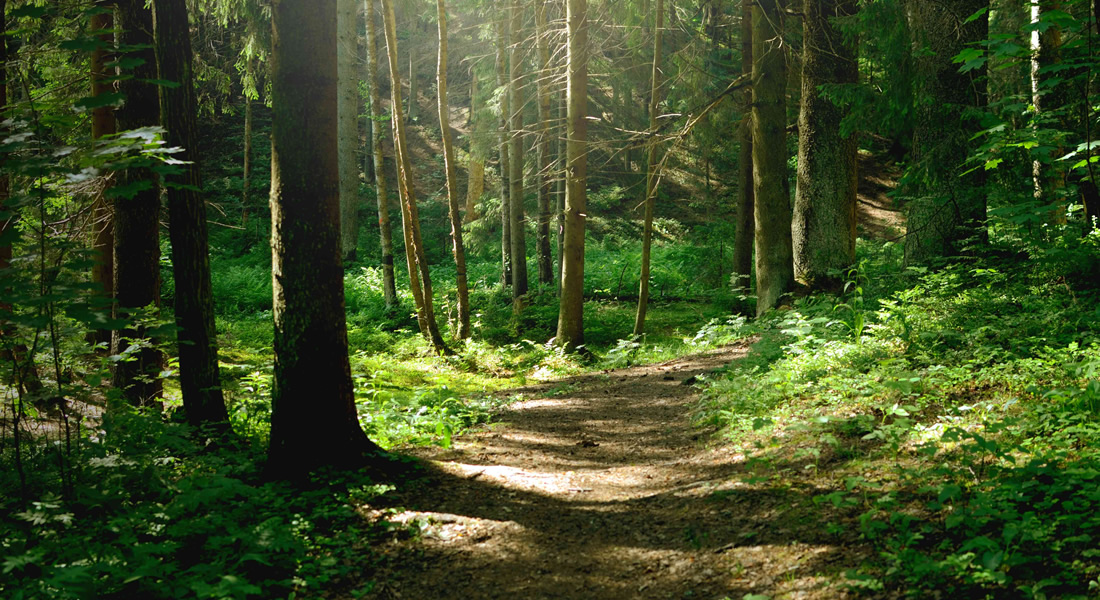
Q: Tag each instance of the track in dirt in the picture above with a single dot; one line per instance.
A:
(601, 487)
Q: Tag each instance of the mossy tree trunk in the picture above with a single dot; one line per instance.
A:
(743, 233)
(389, 284)
(651, 171)
(947, 211)
(313, 418)
(137, 217)
(200, 379)
(771, 190)
(515, 196)
(824, 229)
(457, 248)
(571, 312)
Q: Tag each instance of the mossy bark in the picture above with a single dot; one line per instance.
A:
(824, 228)
(771, 190)
(200, 379)
(313, 420)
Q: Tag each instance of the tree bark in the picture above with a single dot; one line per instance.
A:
(246, 174)
(516, 214)
(348, 108)
(746, 222)
(200, 380)
(389, 284)
(545, 183)
(313, 418)
(462, 289)
(947, 211)
(137, 218)
(571, 314)
(771, 190)
(651, 171)
(824, 230)
(103, 123)
(414, 246)
(503, 25)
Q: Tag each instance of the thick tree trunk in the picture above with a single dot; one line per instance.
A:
(503, 25)
(746, 220)
(348, 108)
(651, 172)
(824, 230)
(771, 190)
(545, 183)
(200, 380)
(1049, 95)
(389, 284)
(313, 418)
(457, 248)
(103, 123)
(137, 218)
(414, 246)
(948, 211)
(516, 214)
(571, 313)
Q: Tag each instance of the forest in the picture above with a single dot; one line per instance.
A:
(725, 299)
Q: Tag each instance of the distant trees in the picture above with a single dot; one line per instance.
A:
(313, 420)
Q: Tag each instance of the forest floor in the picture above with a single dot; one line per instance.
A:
(601, 486)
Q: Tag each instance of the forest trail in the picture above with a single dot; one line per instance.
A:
(600, 486)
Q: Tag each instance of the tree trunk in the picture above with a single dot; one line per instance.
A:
(503, 25)
(137, 218)
(313, 418)
(389, 284)
(571, 313)
(948, 211)
(475, 184)
(746, 222)
(771, 190)
(559, 141)
(1048, 94)
(246, 175)
(545, 183)
(200, 380)
(414, 91)
(452, 180)
(824, 230)
(651, 171)
(515, 214)
(414, 246)
(103, 123)
(348, 107)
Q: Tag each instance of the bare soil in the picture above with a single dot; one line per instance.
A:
(601, 486)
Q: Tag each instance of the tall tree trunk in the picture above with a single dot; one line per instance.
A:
(948, 210)
(571, 313)
(389, 284)
(246, 175)
(103, 123)
(348, 109)
(200, 380)
(545, 183)
(452, 180)
(475, 185)
(1048, 95)
(560, 145)
(137, 218)
(414, 91)
(771, 190)
(651, 171)
(746, 221)
(824, 230)
(414, 246)
(516, 215)
(313, 418)
(502, 26)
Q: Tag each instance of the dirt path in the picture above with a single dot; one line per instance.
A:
(601, 487)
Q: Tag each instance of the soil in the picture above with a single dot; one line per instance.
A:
(601, 486)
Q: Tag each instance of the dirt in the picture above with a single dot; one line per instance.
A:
(601, 486)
